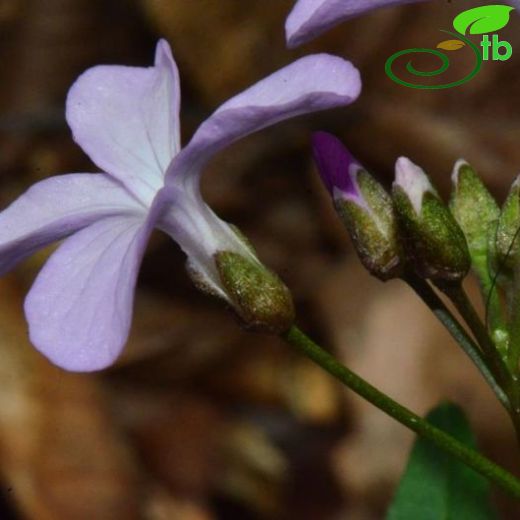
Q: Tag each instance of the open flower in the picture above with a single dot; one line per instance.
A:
(126, 119)
(310, 18)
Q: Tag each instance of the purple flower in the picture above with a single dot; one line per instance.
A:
(337, 167)
(79, 308)
(310, 18)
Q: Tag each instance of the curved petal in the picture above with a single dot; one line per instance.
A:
(79, 308)
(54, 208)
(312, 83)
(310, 18)
(127, 120)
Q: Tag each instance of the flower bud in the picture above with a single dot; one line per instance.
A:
(507, 242)
(435, 244)
(363, 205)
(474, 209)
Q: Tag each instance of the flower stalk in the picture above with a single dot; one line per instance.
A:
(472, 458)
(458, 296)
(470, 348)
(513, 358)
(494, 361)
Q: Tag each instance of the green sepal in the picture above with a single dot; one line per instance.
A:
(372, 227)
(477, 213)
(475, 210)
(507, 245)
(435, 244)
(505, 263)
(259, 297)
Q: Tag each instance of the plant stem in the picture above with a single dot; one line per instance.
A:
(443, 314)
(456, 294)
(514, 324)
(472, 458)
(494, 318)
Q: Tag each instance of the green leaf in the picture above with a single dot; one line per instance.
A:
(435, 485)
(482, 20)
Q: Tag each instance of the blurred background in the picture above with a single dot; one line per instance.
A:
(201, 420)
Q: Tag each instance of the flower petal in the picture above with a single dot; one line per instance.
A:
(336, 165)
(310, 18)
(413, 181)
(312, 83)
(54, 208)
(127, 120)
(79, 308)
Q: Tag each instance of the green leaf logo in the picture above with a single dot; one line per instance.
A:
(482, 20)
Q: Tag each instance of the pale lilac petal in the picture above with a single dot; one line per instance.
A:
(79, 308)
(127, 120)
(413, 181)
(309, 18)
(54, 208)
(312, 83)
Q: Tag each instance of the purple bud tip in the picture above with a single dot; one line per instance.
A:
(334, 164)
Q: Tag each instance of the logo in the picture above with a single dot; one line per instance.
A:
(477, 21)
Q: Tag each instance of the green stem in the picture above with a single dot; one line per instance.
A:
(494, 360)
(456, 294)
(494, 315)
(472, 350)
(479, 463)
(514, 324)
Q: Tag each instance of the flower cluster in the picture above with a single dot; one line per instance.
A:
(410, 229)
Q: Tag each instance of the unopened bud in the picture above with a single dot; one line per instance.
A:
(434, 242)
(363, 205)
(507, 243)
(474, 209)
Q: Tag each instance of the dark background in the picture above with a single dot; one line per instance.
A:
(200, 420)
